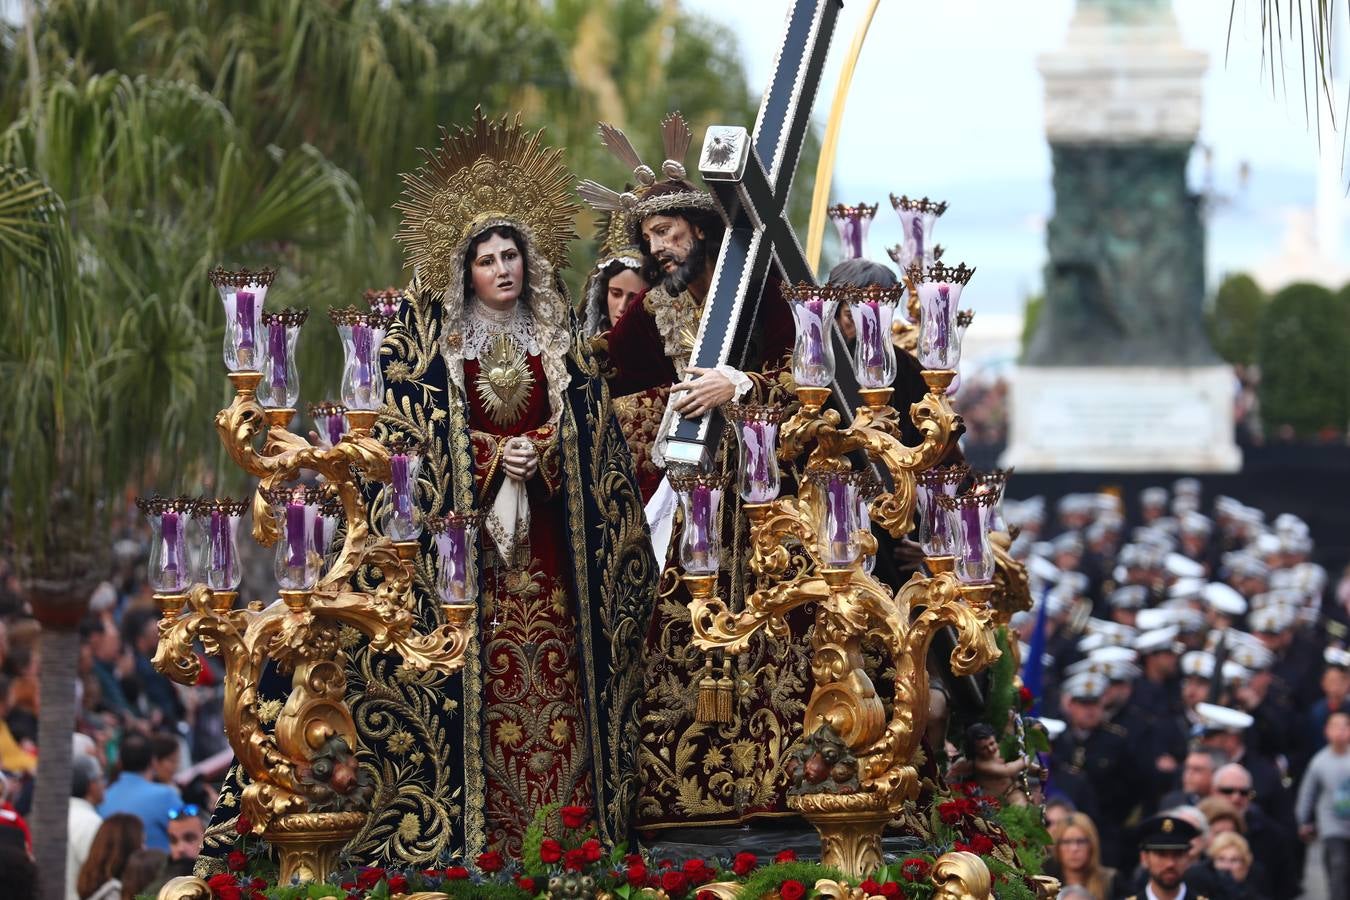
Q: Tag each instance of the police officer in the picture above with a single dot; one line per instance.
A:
(1098, 751)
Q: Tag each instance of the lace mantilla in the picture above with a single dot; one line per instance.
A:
(483, 323)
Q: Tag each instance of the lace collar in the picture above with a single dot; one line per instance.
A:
(482, 323)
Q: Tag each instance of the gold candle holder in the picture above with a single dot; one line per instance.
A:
(223, 601)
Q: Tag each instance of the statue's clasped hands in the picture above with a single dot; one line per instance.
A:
(520, 460)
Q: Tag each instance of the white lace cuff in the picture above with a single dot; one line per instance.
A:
(739, 380)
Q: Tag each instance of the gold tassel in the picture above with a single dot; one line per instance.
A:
(706, 710)
(725, 689)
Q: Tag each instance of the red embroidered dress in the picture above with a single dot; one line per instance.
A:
(535, 752)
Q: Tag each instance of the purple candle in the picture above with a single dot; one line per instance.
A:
(756, 448)
(815, 343)
(169, 522)
(456, 554)
(942, 341)
(295, 534)
(837, 492)
(243, 310)
(222, 548)
(971, 521)
(276, 346)
(398, 468)
(916, 234)
(334, 425)
(871, 339)
(853, 236)
(700, 505)
(362, 345)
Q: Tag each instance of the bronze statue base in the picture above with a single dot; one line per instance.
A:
(308, 844)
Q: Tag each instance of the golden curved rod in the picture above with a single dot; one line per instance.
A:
(717, 628)
(919, 610)
(820, 198)
(284, 456)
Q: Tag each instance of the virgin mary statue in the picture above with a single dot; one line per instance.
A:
(487, 373)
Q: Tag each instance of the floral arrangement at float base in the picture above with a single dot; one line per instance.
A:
(575, 866)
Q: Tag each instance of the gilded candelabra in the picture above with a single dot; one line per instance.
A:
(305, 795)
(868, 771)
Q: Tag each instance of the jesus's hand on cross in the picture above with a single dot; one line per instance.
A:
(709, 390)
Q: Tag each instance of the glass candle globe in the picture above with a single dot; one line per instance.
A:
(757, 436)
(993, 482)
(330, 422)
(873, 310)
(963, 320)
(362, 334)
(170, 569)
(219, 518)
(852, 223)
(813, 351)
(298, 564)
(456, 537)
(701, 538)
(939, 293)
(835, 496)
(868, 489)
(967, 518)
(325, 527)
(280, 386)
(403, 519)
(917, 218)
(242, 294)
(930, 484)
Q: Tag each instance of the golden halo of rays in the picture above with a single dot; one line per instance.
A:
(490, 169)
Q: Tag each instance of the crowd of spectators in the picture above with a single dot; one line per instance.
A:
(1190, 665)
(147, 753)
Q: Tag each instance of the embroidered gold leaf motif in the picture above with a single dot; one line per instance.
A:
(504, 380)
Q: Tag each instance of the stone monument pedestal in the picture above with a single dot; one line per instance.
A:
(1122, 419)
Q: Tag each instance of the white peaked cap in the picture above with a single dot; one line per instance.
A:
(1183, 566)
(1221, 718)
(1222, 598)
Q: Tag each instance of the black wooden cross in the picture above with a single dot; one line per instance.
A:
(751, 175)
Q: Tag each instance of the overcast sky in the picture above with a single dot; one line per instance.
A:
(947, 101)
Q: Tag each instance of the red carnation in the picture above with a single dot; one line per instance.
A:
(636, 874)
(591, 849)
(744, 863)
(490, 862)
(698, 871)
(952, 811)
(891, 891)
(431, 873)
(224, 887)
(674, 882)
(792, 890)
(550, 851)
(398, 884)
(574, 816)
(456, 873)
(368, 878)
(632, 859)
(914, 868)
(786, 856)
(243, 825)
(525, 883)
(257, 884)
(705, 895)
(981, 844)
(1024, 694)
(574, 860)
(870, 887)
(236, 861)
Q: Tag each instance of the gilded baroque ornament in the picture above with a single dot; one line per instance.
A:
(504, 380)
(857, 768)
(306, 795)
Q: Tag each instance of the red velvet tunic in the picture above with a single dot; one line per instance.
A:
(533, 715)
